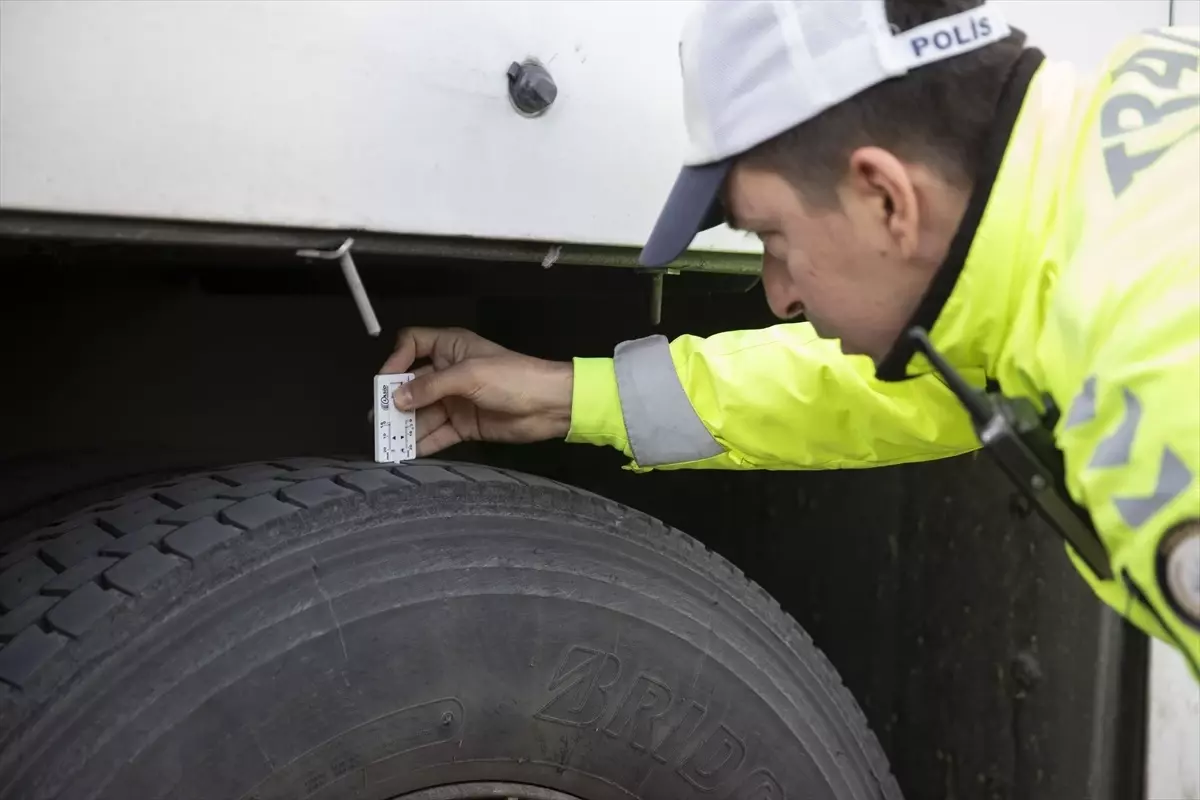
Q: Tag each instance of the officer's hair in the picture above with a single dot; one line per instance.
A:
(938, 115)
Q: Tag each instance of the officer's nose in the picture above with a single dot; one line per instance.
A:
(781, 294)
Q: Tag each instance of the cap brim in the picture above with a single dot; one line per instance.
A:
(694, 205)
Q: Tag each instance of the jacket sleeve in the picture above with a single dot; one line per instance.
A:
(1125, 326)
(1131, 435)
(773, 398)
(1132, 447)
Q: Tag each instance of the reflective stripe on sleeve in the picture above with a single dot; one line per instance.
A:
(662, 426)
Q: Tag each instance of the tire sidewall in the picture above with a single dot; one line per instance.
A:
(467, 632)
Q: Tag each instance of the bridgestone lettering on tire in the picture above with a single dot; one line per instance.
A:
(330, 629)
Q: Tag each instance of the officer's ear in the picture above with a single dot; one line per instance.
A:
(883, 182)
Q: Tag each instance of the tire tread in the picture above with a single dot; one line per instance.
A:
(147, 535)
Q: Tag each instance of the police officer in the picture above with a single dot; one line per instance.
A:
(926, 189)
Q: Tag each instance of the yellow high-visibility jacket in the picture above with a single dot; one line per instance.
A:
(1076, 273)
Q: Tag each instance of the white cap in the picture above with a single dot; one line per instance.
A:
(753, 69)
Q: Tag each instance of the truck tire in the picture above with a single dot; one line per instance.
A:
(316, 628)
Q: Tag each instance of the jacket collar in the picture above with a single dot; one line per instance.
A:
(966, 307)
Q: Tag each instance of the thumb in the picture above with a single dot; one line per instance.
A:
(457, 380)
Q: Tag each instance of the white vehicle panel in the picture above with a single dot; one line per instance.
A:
(379, 116)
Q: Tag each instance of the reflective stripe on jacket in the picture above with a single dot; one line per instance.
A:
(1076, 274)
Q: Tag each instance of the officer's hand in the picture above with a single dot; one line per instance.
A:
(474, 390)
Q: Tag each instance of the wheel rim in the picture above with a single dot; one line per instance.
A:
(488, 790)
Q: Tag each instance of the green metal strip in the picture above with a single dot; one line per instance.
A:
(138, 231)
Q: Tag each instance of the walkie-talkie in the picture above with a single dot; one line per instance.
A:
(1022, 443)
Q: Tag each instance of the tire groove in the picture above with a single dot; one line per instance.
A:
(401, 472)
(45, 559)
(105, 583)
(166, 501)
(224, 519)
(278, 495)
(460, 474)
(338, 479)
(108, 528)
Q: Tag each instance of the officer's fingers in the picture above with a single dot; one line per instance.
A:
(437, 440)
(400, 359)
(418, 371)
(411, 344)
(457, 380)
(403, 356)
(429, 419)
